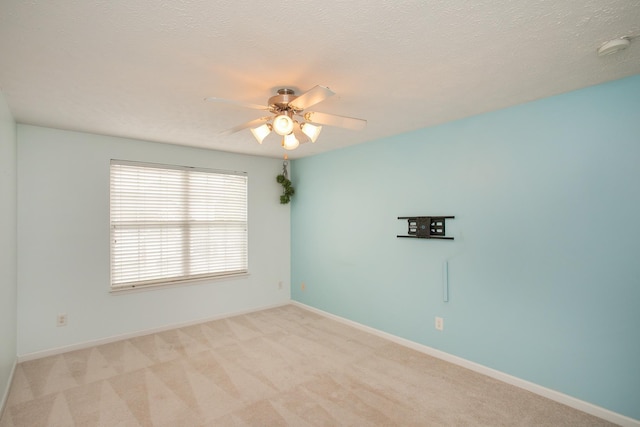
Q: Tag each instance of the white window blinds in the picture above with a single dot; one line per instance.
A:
(173, 223)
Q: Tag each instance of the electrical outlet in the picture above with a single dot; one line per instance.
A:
(280, 285)
(61, 320)
(439, 323)
(303, 286)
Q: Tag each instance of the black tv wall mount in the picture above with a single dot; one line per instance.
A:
(426, 227)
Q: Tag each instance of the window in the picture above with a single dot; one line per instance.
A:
(171, 224)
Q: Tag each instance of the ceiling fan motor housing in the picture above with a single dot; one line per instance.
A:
(280, 102)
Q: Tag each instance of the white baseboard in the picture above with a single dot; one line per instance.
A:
(107, 340)
(501, 376)
(5, 396)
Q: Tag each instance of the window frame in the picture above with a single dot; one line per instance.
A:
(184, 224)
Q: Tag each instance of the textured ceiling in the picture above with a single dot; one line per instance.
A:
(141, 68)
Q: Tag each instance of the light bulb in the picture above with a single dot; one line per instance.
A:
(289, 142)
(311, 131)
(261, 132)
(282, 124)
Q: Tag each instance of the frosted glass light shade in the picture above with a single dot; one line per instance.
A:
(290, 142)
(261, 132)
(282, 124)
(311, 131)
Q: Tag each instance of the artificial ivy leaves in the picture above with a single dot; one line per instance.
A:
(287, 188)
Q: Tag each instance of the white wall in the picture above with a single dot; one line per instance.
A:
(63, 241)
(7, 246)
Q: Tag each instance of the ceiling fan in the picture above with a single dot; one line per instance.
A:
(290, 120)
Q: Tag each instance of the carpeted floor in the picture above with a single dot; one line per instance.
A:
(280, 367)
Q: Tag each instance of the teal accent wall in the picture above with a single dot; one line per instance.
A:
(544, 271)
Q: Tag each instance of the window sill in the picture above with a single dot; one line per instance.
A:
(176, 284)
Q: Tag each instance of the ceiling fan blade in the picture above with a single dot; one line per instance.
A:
(237, 103)
(335, 120)
(311, 97)
(300, 136)
(251, 124)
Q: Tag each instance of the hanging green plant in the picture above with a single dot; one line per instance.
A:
(287, 188)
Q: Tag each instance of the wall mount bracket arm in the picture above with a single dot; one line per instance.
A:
(426, 227)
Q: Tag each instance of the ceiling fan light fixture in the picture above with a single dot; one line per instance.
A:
(261, 132)
(290, 142)
(312, 131)
(282, 124)
(282, 109)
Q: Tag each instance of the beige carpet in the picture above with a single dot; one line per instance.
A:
(279, 367)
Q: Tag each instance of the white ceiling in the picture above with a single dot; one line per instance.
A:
(141, 68)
